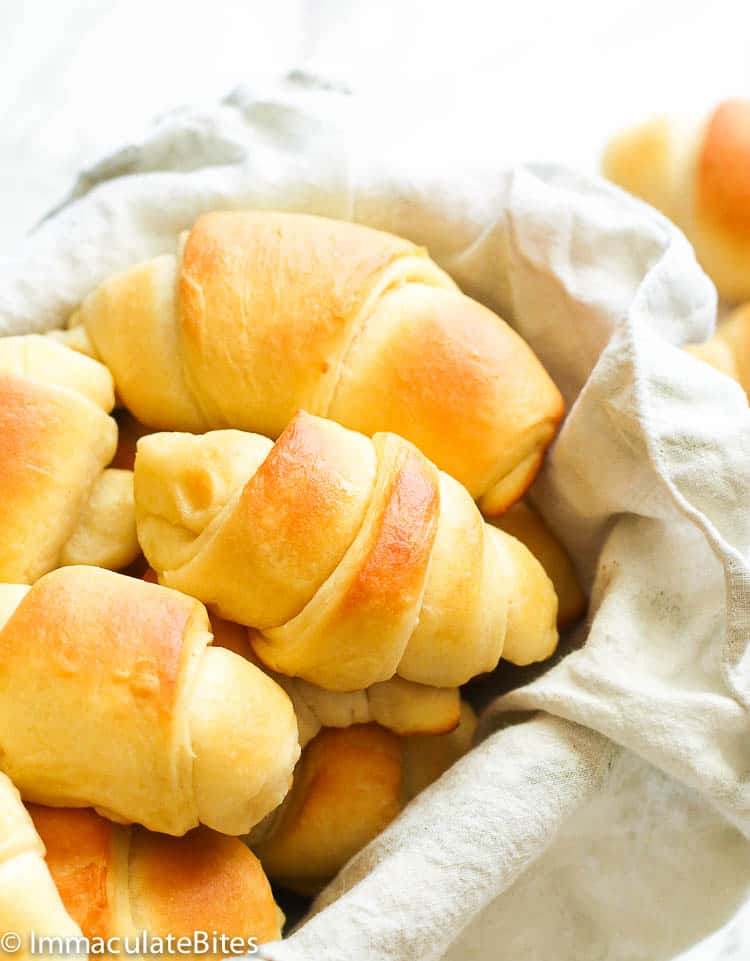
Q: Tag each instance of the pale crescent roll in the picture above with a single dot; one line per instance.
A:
(59, 505)
(128, 709)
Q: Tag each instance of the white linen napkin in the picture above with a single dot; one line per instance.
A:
(612, 825)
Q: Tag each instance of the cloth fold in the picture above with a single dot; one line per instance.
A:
(605, 812)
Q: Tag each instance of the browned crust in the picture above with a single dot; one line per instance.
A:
(453, 378)
(393, 571)
(105, 629)
(80, 858)
(295, 490)
(50, 441)
(31, 416)
(201, 882)
(284, 288)
(347, 788)
(723, 185)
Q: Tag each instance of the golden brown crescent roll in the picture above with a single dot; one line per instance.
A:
(262, 313)
(120, 881)
(29, 901)
(353, 559)
(527, 526)
(349, 784)
(59, 505)
(698, 174)
(126, 707)
(398, 705)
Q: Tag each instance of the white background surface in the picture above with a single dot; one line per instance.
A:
(78, 77)
(552, 79)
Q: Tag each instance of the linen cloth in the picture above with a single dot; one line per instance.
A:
(605, 813)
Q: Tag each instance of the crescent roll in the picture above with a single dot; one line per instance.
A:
(118, 881)
(352, 559)
(59, 505)
(111, 697)
(261, 313)
(698, 174)
(29, 900)
(348, 786)
(400, 706)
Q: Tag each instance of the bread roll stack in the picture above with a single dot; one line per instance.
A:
(314, 417)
